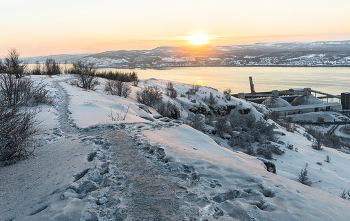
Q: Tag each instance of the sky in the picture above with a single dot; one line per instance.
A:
(45, 27)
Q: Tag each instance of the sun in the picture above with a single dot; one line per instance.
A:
(198, 39)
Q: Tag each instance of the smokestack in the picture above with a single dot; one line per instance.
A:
(252, 90)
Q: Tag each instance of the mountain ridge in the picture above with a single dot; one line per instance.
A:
(304, 54)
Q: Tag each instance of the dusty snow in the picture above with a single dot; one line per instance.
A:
(274, 102)
(306, 100)
(88, 167)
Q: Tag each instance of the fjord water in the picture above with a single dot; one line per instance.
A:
(333, 80)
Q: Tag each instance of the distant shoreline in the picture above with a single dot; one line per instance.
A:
(279, 66)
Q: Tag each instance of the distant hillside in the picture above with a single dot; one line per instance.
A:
(60, 58)
(323, 53)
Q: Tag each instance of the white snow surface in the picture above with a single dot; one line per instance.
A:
(63, 179)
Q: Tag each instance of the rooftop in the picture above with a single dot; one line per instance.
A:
(301, 107)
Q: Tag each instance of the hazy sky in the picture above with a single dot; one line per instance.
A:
(43, 27)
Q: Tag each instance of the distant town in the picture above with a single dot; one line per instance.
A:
(299, 54)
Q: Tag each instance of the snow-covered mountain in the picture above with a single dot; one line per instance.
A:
(60, 58)
(104, 157)
(322, 53)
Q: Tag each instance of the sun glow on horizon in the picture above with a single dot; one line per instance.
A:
(198, 39)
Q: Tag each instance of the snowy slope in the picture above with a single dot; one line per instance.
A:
(86, 165)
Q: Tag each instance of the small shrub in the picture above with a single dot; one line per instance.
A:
(291, 127)
(222, 126)
(303, 177)
(328, 159)
(274, 115)
(289, 146)
(212, 99)
(193, 90)
(149, 95)
(168, 109)
(345, 194)
(22, 91)
(332, 141)
(227, 94)
(243, 140)
(250, 150)
(319, 163)
(267, 149)
(85, 74)
(118, 88)
(308, 137)
(119, 115)
(37, 70)
(134, 79)
(275, 149)
(17, 131)
(318, 138)
(119, 76)
(171, 92)
(196, 121)
(2, 67)
(264, 151)
(51, 67)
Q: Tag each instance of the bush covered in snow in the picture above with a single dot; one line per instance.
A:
(171, 92)
(149, 95)
(22, 91)
(85, 74)
(51, 67)
(17, 128)
(168, 109)
(118, 88)
(196, 121)
(318, 138)
(303, 177)
(119, 76)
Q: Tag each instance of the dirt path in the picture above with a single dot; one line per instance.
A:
(153, 196)
(62, 108)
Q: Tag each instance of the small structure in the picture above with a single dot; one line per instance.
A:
(275, 101)
(284, 111)
(345, 100)
(306, 99)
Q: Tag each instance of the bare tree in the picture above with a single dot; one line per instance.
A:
(135, 78)
(318, 140)
(85, 74)
(212, 99)
(51, 67)
(2, 67)
(37, 70)
(171, 92)
(21, 91)
(196, 121)
(118, 88)
(14, 65)
(17, 131)
(149, 95)
(168, 109)
(227, 94)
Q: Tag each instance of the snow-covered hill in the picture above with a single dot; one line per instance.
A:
(303, 54)
(94, 164)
